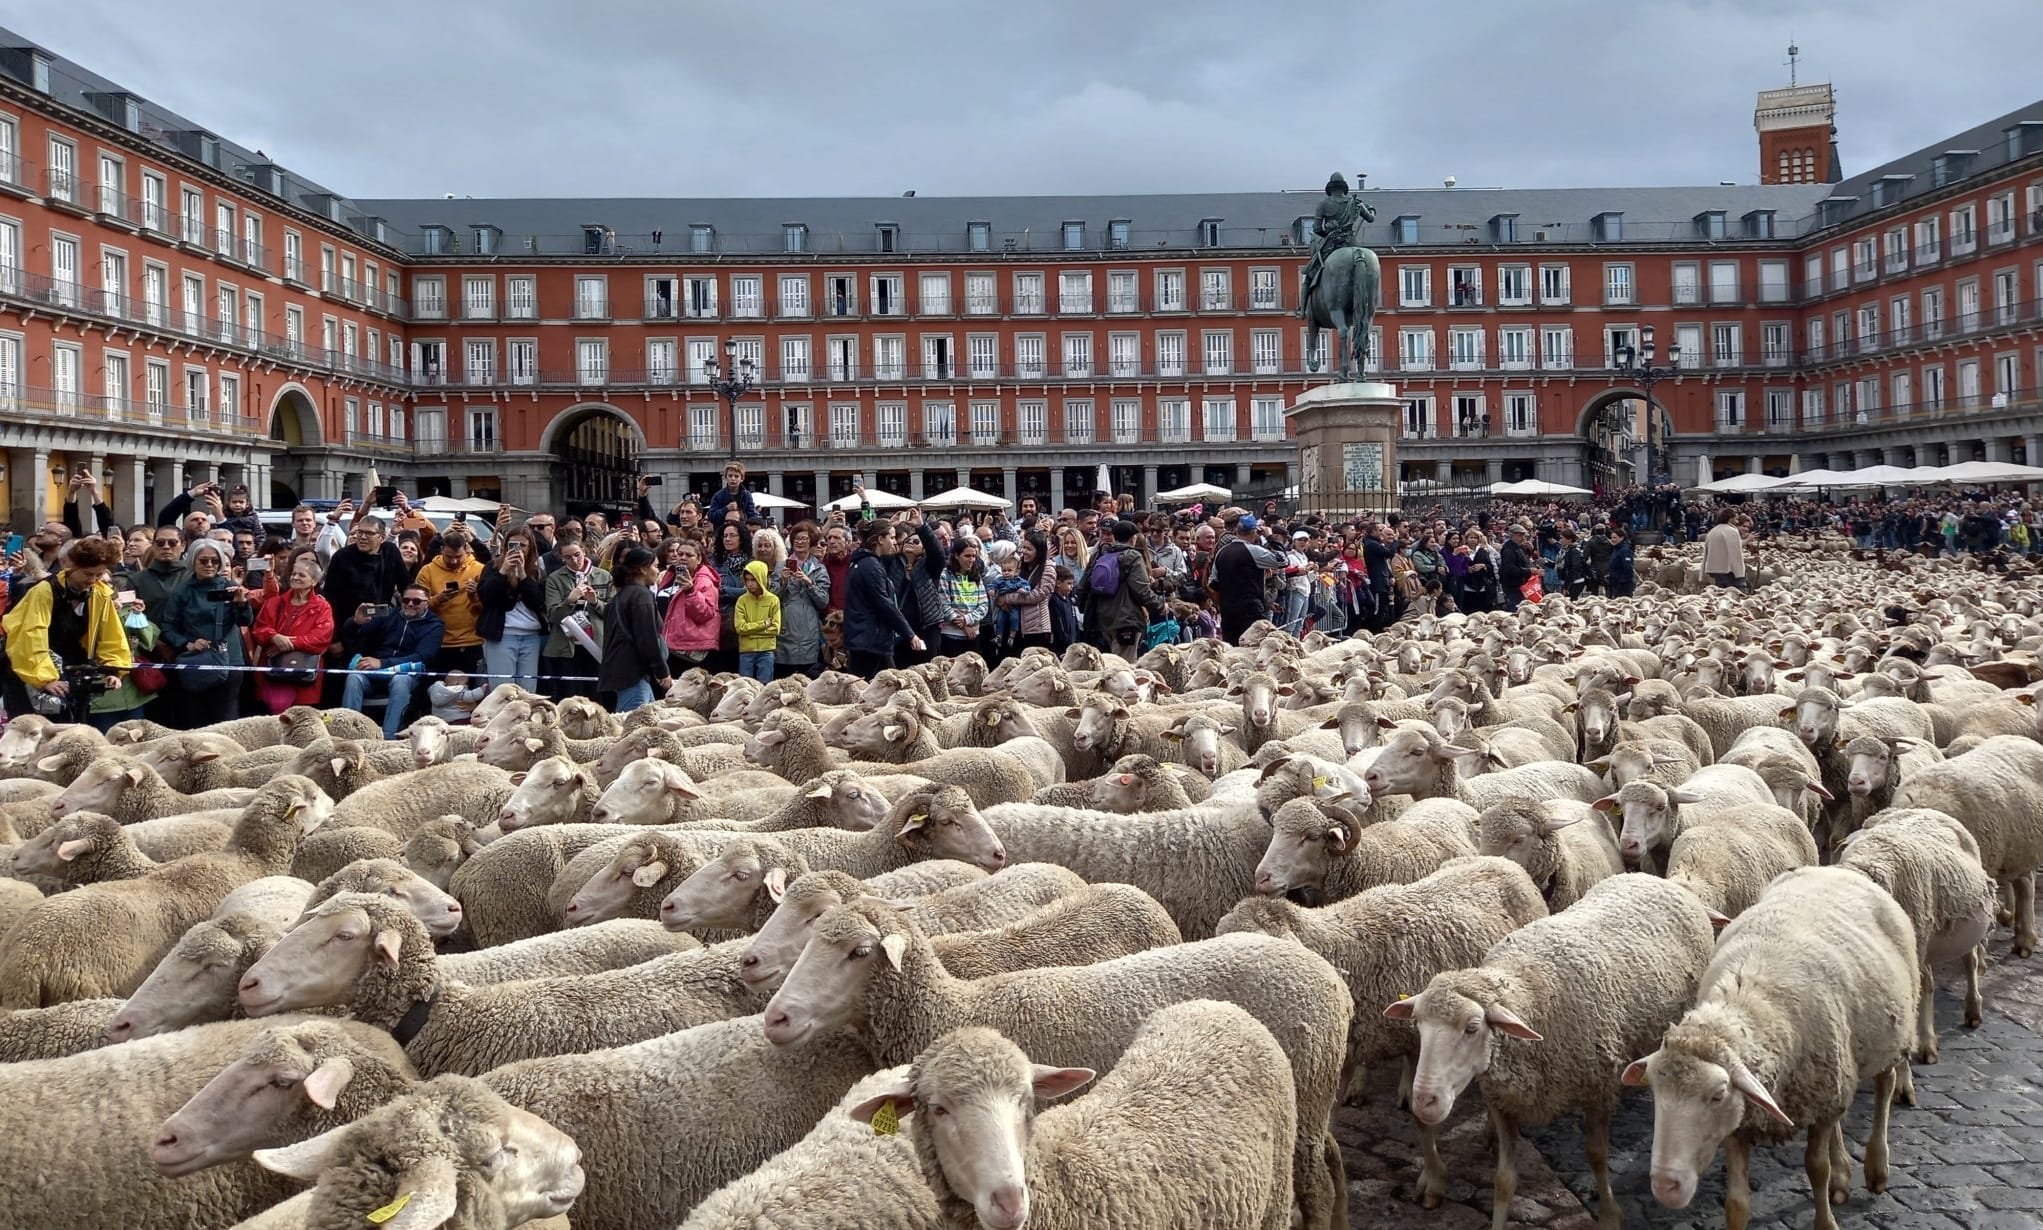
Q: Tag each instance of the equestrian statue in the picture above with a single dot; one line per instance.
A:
(1339, 285)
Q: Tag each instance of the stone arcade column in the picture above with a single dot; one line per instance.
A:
(129, 496)
(1347, 446)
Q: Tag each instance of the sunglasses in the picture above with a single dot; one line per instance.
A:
(414, 601)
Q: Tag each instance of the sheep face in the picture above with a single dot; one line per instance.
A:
(1650, 816)
(1872, 766)
(1125, 788)
(1304, 844)
(642, 863)
(1200, 737)
(879, 736)
(1360, 729)
(882, 688)
(1813, 717)
(826, 988)
(1045, 688)
(730, 707)
(285, 1075)
(1097, 719)
(22, 740)
(1000, 719)
(722, 891)
(834, 688)
(1449, 715)
(317, 962)
(1696, 1104)
(779, 943)
(965, 675)
(549, 792)
(1408, 763)
(582, 718)
(100, 786)
(979, 1093)
(417, 896)
(1596, 717)
(174, 760)
(941, 822)
(642, 794)
(841, 799)
(49, 852)
(764, 701)
(1455, 1034)
(430, 739)
(1520, 831)
(194, 984)
(1260, 694)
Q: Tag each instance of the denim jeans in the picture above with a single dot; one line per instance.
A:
(514, 659)
(1295, 604)
(640, 693)
(360, 687)
(756, 666)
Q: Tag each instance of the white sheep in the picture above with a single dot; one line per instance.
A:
(1652, 816)
(1103, 1159)
(1389, 939)
(1547, 1017)
(1991, 790)
(401, 804)
(448, 1152)
(1810, 992)
(1327, 856)
(1565, 846)
(1929, 863)
(129, 791)
(1727, 858)
(868, 966)
(1421, 764)
(584, 950)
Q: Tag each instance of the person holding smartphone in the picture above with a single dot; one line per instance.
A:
(513, 619)
(68, 619)
(203, 622)
(453, 578)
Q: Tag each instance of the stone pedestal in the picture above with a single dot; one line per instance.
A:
(1347, 445)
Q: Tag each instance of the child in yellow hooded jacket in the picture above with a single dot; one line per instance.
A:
(757, 622)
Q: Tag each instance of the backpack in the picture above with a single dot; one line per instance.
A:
(1104, 580)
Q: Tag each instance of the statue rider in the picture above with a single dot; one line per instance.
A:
(1333, 228)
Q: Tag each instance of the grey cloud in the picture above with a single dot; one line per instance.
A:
(812, 97)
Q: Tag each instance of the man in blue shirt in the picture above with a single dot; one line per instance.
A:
(396, 646)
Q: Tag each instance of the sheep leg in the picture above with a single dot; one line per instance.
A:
(1596, 1131)
(1975, 1001)
(1926, 1018)
(1404, 1084)
(1737, 1183)
(1337, 1174)
(1816, 1163)
(1904, 1082)
(1876, 1141)
(1432, 1170)
(1312, 1184)
(1840, 1165)
(2004, 906)
(2025, 913)
(1506, 1184)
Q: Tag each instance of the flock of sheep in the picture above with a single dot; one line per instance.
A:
(1058, 943)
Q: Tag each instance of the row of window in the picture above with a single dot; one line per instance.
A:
(1925, 241)
(188, 392)
(1928, 314)
(227, 229)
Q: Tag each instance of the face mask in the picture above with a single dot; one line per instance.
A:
(135, 619)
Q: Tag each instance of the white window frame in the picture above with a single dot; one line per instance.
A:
(748, 296)
(1124, 292)
(1555, 285)
(1514, 285)
(1414, 286)
(1029, 299)
(933, 294)
(792, 296)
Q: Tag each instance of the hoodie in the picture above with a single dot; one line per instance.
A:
(757, 616)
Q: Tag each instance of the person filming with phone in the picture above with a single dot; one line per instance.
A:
(393, 646)
(64, 633)
(203, 622)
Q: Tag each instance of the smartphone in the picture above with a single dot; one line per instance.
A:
(452, 586)
(218, 595)
(14, 543)
(379, 610)
(653, 480)
(383, 497)
(258, 564)
(460, 517)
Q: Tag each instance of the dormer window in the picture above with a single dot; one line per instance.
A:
(1074, 236)
(488, 239)
(1710, 224)
(380, 230)
(1405, 228)
(1504, 228)
(978, 236)
(1609, 227)
(1118, 235)
(1301, 230)
(887, 236)
(1759, 224)
(39, 71)
(1209, 232)
(333, 209)
(794, 237)
(436, 240)
(701, 238)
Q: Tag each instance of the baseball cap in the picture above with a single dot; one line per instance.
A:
(1249, 522)
(1298, 534)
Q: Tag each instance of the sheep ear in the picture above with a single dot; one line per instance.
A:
(1607, 804)
(532, 745)
(1819, 790)
(678, 782)
(305, 1159)
(339, 764)
(204, 757)
(70, 850)
(820, 792)
(517, 779)
(1174, 735)
(1384, 723)
(1788, 712)
(327, 1080)
(650, 874)
(134, 775)
(894, 946)
(389, 946)
(1554, 824)
(1678, 795)
(1635, 1074)
(1226, 728)
(1744, 1082)
(912, 823)
(1717, 921)
(49, 764)
(1570, 707)
(891, 733)
(772, 738)
(775, 881)
(425, 1197)
(1505, 1021)
(1337, 838)
(1401, 1010)
(901, 1097)
(1056, 1082)
(1599, 765)
(1330, 724)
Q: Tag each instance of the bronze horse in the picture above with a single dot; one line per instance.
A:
(1344, 301)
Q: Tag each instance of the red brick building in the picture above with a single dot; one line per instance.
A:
(172, 305)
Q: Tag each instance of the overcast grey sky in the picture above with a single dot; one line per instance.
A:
(380, 98)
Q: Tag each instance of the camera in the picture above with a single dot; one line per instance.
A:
(218, 595)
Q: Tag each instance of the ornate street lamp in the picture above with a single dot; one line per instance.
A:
(1636, 364)
(731, 380)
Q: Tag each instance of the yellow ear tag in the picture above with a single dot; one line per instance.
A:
(918, 818)
(293, 810)
(1403, 998)
(1319, 783)
(885, 1121)
(378, 1216)
(993, 719)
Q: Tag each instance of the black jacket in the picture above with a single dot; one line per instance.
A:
(1514, 566)
(1238, 579)
(498, 596)
(1376, 557)
(873, 622)
(354, 577)
(632, 649)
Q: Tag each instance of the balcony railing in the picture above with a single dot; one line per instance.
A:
(1961, 324)
(63, 405)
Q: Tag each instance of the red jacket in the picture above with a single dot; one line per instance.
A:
(310, 626)
(694, 618)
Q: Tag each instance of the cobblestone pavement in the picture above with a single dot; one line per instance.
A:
(1969, 1157)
